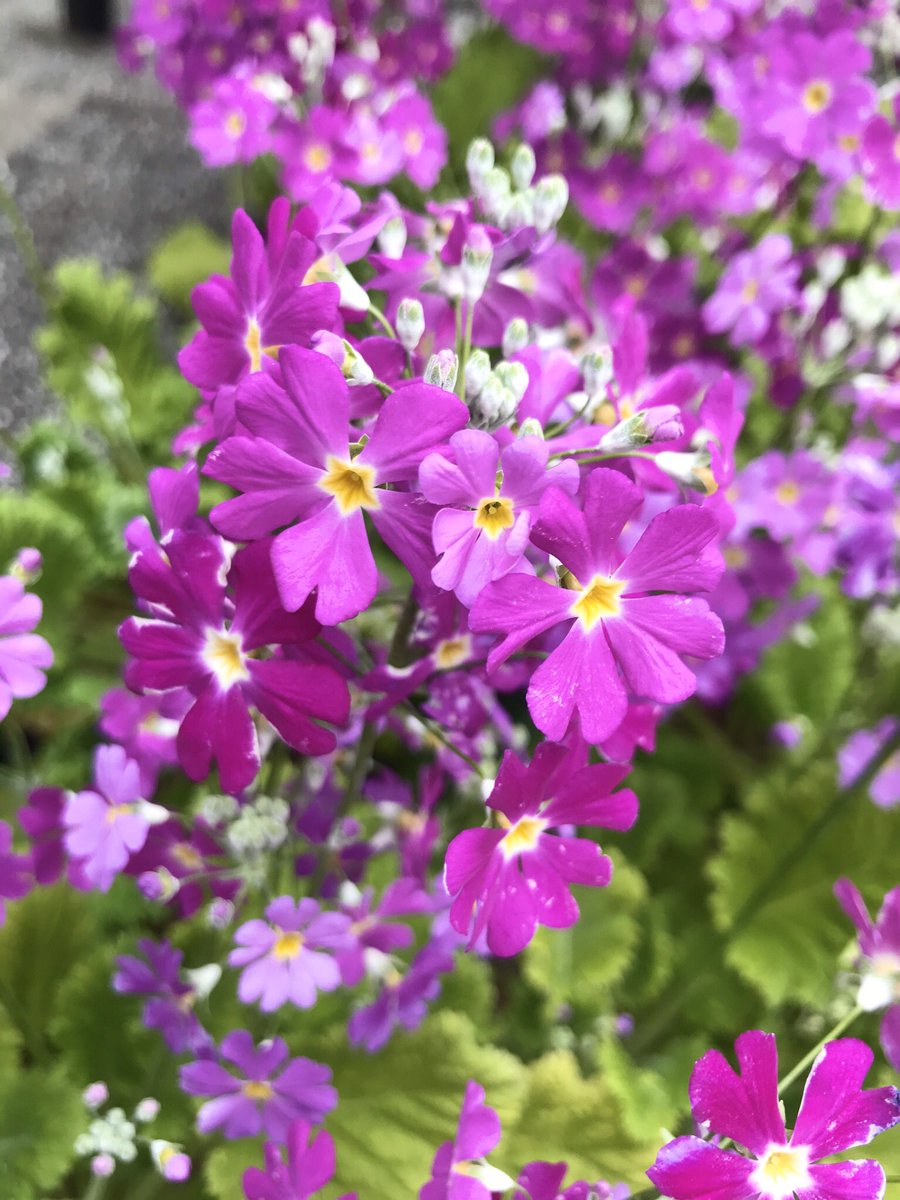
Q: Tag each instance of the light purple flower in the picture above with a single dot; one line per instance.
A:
(297, 470)
(24, 656)
(267, 1095)
(289, 956)
(508, 880)
(835, 1114)
(232, 124)
(108, 823)
(616, 618)
(880, 154)
(453, 1172)
(488, 500)
(310, 1165)
(754, 286)
(860, 749)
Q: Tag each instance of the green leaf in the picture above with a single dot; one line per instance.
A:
(576, 965)
(650, 1099)
(41, 1114)
(788, 950)
(46, 935)
(567, 1117)
(185, 257)
(225, 1166)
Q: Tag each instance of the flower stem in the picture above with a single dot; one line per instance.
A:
(804, 1062)
(97, 1187)
(382, 320)
(464, 352)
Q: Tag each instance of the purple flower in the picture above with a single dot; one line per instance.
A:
(508, 881)
(232, 125)
(15, 871)
(835, 1114)
(423, 139)
(201, 637)
(146, 728)
(544, 1181)
(754, 286)
(258, 1100)
(247, 316)
(170, 1008)
(297, 469)
(286, 957)
(309, 1166)
(860, 749)
(879, 961)
(24, 656)
(105, 825)
(458, 1171)
(490, 497)
(880, 154)
(403, 1000)
(609, 600)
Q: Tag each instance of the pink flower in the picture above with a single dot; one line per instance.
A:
(513, 878)
(233, 124)
(24, 656)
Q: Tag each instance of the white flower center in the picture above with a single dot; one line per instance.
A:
(223, 654)
(781, 1171)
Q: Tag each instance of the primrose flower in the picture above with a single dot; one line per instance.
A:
(170, 1007)
(617, 620)
(755, 285)
(835, 1114)
(24, 656)
(109, 823)
(204, 639)
(879, 953)
(309, 1166)
(232, 124)
(491, 497)
(298, 470)
(508, 880)
(286, 956)
(258, 1100)
(459, 1171)
(247, 316)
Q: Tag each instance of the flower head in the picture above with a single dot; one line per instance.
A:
(879, 961)
(24, 656)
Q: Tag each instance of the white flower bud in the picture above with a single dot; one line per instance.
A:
(515, 337)
(514, 376)
(146, 1110)
(692, 470)
(523, 166)
(475, 269)
(478, 368)
(597, 370)
(392, 238)
(479, 161)
(531, 427)
(441, 370)
(551, 195)
(410, 324)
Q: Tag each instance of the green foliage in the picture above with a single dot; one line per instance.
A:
(41, 1114)
(185, 257)
(788, 948)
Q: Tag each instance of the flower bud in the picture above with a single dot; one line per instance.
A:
(515, 337)
(442, 369)
(170, 1160)
(159, 885)
(26, 566)
(477, 255)
(479, 161)
(495, 192)
(220, 913)
(495, 404)
(514, 376)
(531, 427)
(478, 368)
(95, 1094)
(519, 213)
(410, 324)
(523, 166)
(661, 424)
(597, 371)
(551, 195)
(692, 470)
(347, 358)
(392, 238)
(146, 1110)
(103, 1165)
(203, 979)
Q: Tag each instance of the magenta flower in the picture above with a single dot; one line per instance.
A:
(246, 317)
(835, 1114)
(459, 1171)
(507, 881)
(403, 1000)
(106, 825)
(879, 953)
(617, 620)
(755, 285)
(309, 1166)
(288, 956)
(297, 469)
(24, 656)
(258, 1100)
(205, 639)
(490, 498)
(15, 871)
(880, 154)
(232, 125)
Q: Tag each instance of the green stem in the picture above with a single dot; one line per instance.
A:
(361, 763)
(97, 1187)
(399, 654)
(435, 730)
(595, 458)
(382, 320)
(804, 1062)
(24, 241)
(464, 352)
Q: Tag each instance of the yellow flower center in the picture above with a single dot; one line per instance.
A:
(635, 285)
(257, 1089)
(683, 345)
(254, 347)
(735, 556)
(817, 96)
(848, 142)
(186, 856)
(609, 192)
(750, 291)
(118, 810)
(452, 652)
(523, 836)
(287, 945)
(787, 492)
(494, 515)
(782, 1170)
(317, 157)
(352, 485)
(413, 141)
(598, 600)
(223, 653)
(234, 124)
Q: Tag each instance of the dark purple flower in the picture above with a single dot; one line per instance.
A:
(170, 1007)
(16, 877)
